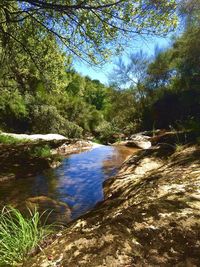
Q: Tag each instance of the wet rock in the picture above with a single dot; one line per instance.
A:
(56, 211)
(74, 147)
(149, 217)
(140, 141)
(137, 140)
(6, 177)
(55, 164)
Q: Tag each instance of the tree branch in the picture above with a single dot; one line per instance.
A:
(59, 7)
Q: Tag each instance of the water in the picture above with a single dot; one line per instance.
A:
(77, 182)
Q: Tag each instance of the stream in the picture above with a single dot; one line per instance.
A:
(78, 182)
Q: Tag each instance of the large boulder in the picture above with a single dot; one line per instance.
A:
(137, 141)
(140, 141)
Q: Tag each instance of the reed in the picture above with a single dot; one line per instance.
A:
(19, 235)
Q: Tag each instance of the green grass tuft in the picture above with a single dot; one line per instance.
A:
(19, 235)
(43, 151)
(9, 140)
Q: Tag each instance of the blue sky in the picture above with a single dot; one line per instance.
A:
(101, 73)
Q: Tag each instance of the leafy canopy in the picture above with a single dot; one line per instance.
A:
(87, 29)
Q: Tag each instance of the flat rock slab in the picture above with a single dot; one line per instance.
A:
(33, 137)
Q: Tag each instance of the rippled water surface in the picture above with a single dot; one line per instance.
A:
(77, 182)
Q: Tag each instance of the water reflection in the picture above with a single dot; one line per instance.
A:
(77, 182)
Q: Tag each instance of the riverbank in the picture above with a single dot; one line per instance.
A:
(24, 155)
(69, 190)
(150, 216)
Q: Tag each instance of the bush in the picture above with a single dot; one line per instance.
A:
(41, 152)
(19, 235)
(130, 129)
(13, 110)
(192, 124)
(46, 119)
(72, 130)
(106, 132)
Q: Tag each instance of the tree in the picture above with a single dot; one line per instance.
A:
(160, 71)
(95, 93)
(132, 74)
(88, 29)
(121, 109)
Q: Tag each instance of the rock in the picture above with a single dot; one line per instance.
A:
(174, 137)
(75, 147)
(6, 177)
(33, 137)
(55, 164)
(140, 141)
(149, 217)
(17, 160)
(58, 211)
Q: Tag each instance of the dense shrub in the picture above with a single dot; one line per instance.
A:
(106, 132)
(46, 119)
(41, 151)
(176, 108)
(130, 128)
(13, 110)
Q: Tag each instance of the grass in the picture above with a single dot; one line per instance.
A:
(96, 140)
(179, 147)
(19, 236)
(41, 152)
(5, 139)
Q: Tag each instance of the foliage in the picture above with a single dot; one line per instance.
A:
(122, 108)
(87, 29)
(106, 133)
(192, 124)
(47, 119)
(5, 139)
(165, 89)
(19, 235)
(130, 128)
(40, 92)
(12, 109)
(41, 152)
(179, 147)
(131, 73)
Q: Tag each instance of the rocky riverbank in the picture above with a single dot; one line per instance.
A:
(29, 155)
(150, 217)
(19, 160)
